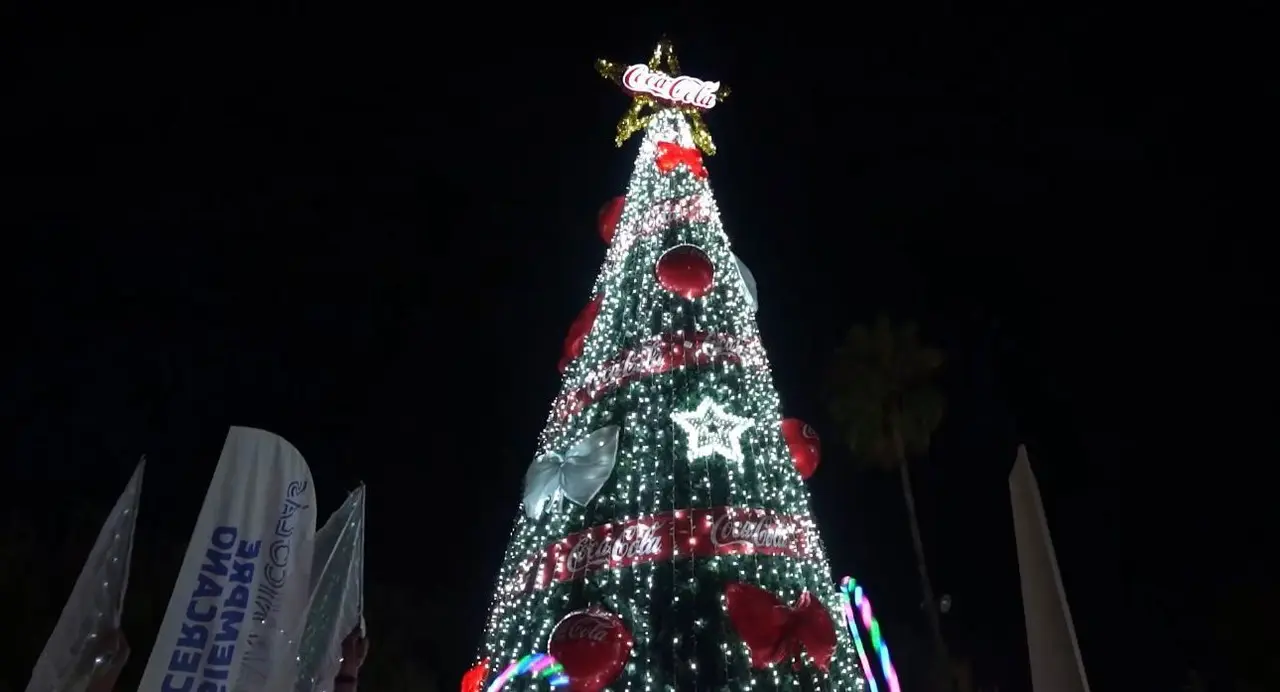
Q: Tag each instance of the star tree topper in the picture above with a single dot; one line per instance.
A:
(658, 84)
(712, 430)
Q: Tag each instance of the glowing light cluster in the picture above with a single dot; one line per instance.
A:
(852, 597)
(537, 666)
(654, 476)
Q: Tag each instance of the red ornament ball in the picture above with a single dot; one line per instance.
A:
(686, 271)
(473, 681)
(593, 645)
(610, 215)
(806, 448)
(578, 331)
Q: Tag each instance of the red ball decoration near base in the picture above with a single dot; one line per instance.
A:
(473, 681)
(686, 271)
(610, 215)
(593, 645)
(806, 448)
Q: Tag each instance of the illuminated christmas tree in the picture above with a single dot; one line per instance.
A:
(665, 540)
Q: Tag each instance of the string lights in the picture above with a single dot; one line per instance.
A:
(673, 607)
(852, 597)
(712, 430)
(537, 666)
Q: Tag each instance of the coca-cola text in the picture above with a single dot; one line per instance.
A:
(656, 356)
(689, 91)
(684, 533)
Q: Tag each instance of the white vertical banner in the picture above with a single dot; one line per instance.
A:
(82, 644)
(1051, 635)
(238, 607)
(337, 595)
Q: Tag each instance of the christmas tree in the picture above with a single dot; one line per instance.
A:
(665, 540)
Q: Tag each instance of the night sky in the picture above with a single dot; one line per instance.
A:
(368, 233)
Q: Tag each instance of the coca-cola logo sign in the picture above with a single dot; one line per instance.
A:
(593, 645)
(689, 91)
(583, 626)
(635, 543)
(642, 361)
(763, 533)
(691, 533)
(658, 355)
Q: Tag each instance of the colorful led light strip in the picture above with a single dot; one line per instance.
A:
(852, 593)
(536, 665)
(849, 618)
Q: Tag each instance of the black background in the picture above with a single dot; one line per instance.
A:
(368, 231)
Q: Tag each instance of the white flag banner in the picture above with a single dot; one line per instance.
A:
(83, 644)
(238, 607)
(1056, 665)
(337, 595)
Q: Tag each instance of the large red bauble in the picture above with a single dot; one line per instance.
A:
(686, 271)
(593, 645)
(610, 215)
(474, 679)
(806, 448)
(578, 331)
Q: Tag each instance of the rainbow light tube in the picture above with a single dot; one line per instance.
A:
(851, 589)
(853, 632)
(537, 666)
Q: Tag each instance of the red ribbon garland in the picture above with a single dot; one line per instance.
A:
(671, 155)
(775, 632)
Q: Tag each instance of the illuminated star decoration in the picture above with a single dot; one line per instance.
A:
(664, 63)
(712, 430)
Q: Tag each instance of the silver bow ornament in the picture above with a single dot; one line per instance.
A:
(748, 282)
(577, 475)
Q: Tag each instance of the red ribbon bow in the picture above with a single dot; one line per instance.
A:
(671, 155)
(775, 632)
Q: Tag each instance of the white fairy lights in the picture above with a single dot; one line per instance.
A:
(681, 641)
(713, 430)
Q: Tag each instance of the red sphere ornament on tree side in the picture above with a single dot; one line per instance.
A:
(593, 645)
(578, 331)
(473, 681)
(686, 271)
(806, 448)
(610, 215)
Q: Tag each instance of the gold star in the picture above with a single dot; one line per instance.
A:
(643, 105)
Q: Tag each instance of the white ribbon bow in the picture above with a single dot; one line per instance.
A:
(748, 281)
(578, 475)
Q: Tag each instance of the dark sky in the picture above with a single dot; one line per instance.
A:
(369, 232)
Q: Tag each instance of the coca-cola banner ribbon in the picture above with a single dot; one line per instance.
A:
(659, 355)
(660, 537)
(577, 475)
(656, 219)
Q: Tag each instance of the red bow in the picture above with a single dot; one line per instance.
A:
(774, 631)
(671, 155)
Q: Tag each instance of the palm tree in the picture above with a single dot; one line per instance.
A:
(887, 407)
